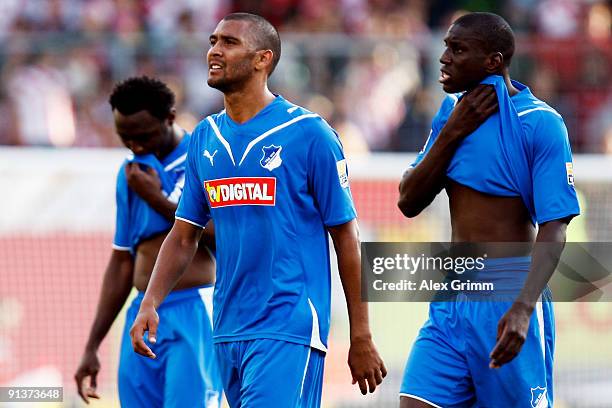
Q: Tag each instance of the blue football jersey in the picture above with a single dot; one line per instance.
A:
(272, 185)
(136, 220)
(522, 150)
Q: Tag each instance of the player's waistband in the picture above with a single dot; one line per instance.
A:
(516, 264)
(177, 295)
(507, 275)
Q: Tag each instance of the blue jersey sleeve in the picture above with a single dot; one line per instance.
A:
(554, 194)
(193, 207)
(437, 124)
(121, 240)
(328, 175)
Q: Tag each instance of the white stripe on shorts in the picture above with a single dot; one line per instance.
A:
(207, 298)
(305, 371)
(540, 317)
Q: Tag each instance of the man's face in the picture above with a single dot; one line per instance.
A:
(142, 132)
(463, 61)
(231, 56)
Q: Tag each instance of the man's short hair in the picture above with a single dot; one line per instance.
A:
(142, 93)
(265, 35)
(493, 30)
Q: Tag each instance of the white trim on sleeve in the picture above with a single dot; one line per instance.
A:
(189, 222)
(419, 399)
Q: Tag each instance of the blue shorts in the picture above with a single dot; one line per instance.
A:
(449, 362)
(265, 373)
(185, 372)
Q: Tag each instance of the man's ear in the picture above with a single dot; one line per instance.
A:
(495, 63)
(263, 60)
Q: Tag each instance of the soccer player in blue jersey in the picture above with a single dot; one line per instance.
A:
(149, 184)
(504, 159)
(274, 179)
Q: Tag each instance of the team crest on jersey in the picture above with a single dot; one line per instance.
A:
(271, 157)
(227, 192)
(569, 170)
(538, 395)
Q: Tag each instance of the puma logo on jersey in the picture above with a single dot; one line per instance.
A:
(234, 191)
(209, 156)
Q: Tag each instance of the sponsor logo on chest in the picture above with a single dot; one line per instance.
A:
(234, 191)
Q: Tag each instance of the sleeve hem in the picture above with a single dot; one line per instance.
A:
(190, 222)
(121, 248)
(558, 217)
(340, 221)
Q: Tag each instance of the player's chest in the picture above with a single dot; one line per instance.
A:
(251, 171)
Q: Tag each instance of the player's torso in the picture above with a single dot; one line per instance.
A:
(148, 228)
(201, 270)
(256, 183)
(485, 188)
(479, 217)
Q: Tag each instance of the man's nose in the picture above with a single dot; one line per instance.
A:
(445, 58)
(215, 50)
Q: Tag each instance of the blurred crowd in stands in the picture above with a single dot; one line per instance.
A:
(369, 66)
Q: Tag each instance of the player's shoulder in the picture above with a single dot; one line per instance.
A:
(291, 110)
(204, 128)
(450, 100)
(288, 112)
(313, 125)
(205, 124)
(128, 158)
(531, 109)
(145, 159)
(541, 122)
(538, 117)
(448, 104)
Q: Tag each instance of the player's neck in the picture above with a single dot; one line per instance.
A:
(512, 90)
(244, 104)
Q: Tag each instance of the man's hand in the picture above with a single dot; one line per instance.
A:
(511, 334)
(144, 183)
(366, 365)
(146, 320)
(472, 111)
(89, 367)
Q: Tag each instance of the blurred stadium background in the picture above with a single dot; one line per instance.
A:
(369, 66)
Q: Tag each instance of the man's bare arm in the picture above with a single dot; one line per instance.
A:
(208, 236)
(420, 185)
(512, 327)
(174, 257)
(116, 286)
(365, 363)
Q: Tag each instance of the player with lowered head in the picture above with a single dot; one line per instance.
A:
(149, 184)
(274, 179)
(504, 158)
